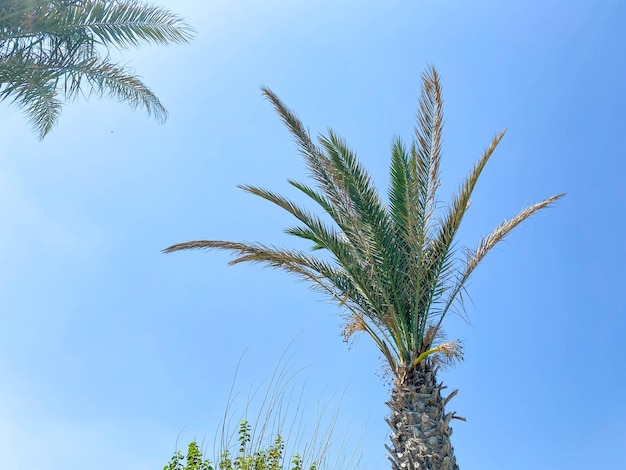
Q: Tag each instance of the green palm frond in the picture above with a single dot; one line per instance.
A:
(53, 49)
(119, 24)
(124, 24)
(105, 78)
(393, 267)
(36, 87)
(413, 199)
(39, 101)
(440, 253)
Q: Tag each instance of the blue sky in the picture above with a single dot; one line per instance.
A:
(111, 351)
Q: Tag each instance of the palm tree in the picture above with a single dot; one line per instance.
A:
(53, 48)
(393, 268)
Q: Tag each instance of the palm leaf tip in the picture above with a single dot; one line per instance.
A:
(194, 245)
(488, 242)
(298, 131)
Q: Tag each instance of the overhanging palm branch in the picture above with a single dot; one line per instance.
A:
(392, 267)
(34, 87)
(52, 48)
(119, 24)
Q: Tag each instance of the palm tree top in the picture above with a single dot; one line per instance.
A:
(393, 266)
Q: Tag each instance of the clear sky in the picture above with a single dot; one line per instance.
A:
(111, 351)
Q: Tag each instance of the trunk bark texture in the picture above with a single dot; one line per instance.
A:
(420, 431)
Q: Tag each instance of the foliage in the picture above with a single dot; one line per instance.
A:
(270, 458)
(269, 430)
(53, 48)
(393, 266)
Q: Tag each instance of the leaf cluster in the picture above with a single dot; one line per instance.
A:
(393, 265)
(55, 50)
(270, 458)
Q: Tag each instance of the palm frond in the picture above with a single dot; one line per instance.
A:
(485, 245)
(442, 265)
(399, 199)
(320, 199)
(355, 205)
(372, 231)
(53, 47)
(336, 282)
(322, 235)
(119, 24)
(428, 142)
(105, 78)
(461, 201)
(393, 268)
(415, 179)
(35, 87)
(40, 103)
(126, 23)
(32, 89)
(320, 165)
(308, 149)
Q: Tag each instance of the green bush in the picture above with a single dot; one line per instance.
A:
(269, 432)
(246, 458)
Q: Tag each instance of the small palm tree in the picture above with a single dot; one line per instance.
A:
(61, 47)
(392, 267)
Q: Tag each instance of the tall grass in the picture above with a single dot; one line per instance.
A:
(270, 433)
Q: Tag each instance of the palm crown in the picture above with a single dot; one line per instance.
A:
(393, 267)
(52, 47)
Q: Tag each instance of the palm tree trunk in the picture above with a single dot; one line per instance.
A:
(420, 431)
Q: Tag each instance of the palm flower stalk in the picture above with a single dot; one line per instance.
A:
(392, 268)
